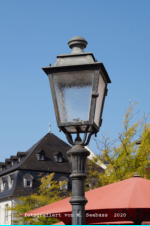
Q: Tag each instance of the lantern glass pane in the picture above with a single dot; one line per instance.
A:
(73, 93)
(99, 101)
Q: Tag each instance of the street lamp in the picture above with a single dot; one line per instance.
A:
(79, 86)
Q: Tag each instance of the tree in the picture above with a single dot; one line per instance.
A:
(122, 155)
(93, 171)
(49, 192)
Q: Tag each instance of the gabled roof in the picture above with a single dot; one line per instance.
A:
(13, 157)
(50, 144)
(7, 160)
(28, 175)
(59, 153)
(40, 152)
(2, 164)
(21, 153)
(62, 178)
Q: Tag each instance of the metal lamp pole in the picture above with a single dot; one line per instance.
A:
(78, 156)
(79, 86)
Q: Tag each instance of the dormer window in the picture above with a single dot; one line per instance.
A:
(40, 155)
(14, 159)
(3, 166)
(28, 180)
(28, 183)
(63, 183)
(20, 155)
(42, 158)
(10, 182)
(8, 164)
(58, 157)
(2, 184)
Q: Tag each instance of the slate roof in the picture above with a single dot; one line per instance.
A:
(18, 189)
(51, 144)
(8, 192)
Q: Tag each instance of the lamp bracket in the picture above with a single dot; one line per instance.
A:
(78, 140)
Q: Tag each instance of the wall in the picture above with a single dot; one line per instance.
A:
(3, 213)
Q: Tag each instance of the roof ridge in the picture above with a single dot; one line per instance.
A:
(34, 146)
(58, 138)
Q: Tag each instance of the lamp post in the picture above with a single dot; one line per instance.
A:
(79, 86)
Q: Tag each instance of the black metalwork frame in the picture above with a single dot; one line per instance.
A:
(78, 141)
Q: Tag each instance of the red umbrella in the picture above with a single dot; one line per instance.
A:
(123, 222)
(107, 223)
(127, 200)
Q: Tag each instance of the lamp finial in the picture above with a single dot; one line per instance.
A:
(77, 44)
(49, 128)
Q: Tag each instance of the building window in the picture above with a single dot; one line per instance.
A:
(28, 183)
(3, 167)
(10, 182)
(13, 161)
(8, 164)
(58, 157)
(63, 185)
(2, 184)
(42, 158)
(6, 213)
(28, 180)
(40, 155)
(90, 187)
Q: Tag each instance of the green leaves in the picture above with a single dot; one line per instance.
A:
(122, 155)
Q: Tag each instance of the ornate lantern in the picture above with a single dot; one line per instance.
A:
(79, 86)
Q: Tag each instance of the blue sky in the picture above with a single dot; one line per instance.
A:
(33, 32)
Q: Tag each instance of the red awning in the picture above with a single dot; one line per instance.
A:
(127, 200)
